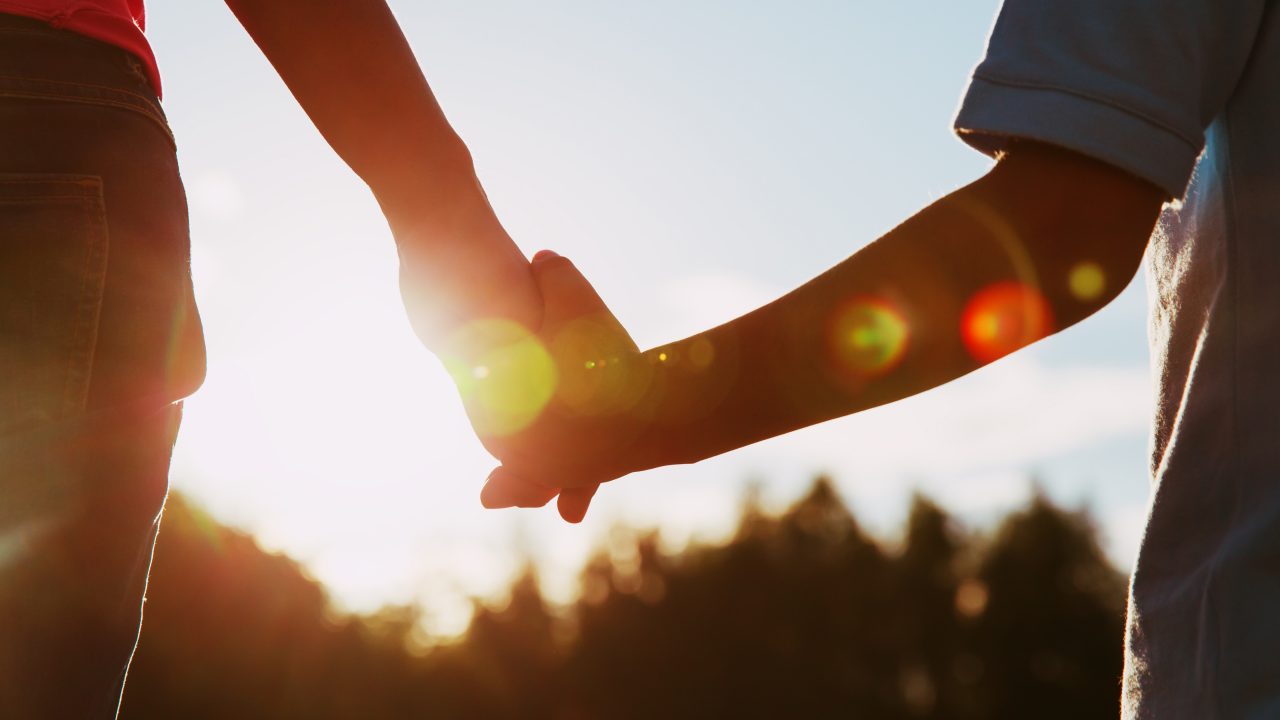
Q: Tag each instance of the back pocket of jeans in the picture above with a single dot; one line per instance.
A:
(53, 262)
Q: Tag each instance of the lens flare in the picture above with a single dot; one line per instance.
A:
(506, 377)
(605, 384)
(1002, 318)
(869, 336)
(701, 353)
(1087, 281)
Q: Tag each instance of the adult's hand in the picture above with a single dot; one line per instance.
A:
(352, 70)
(562, 409)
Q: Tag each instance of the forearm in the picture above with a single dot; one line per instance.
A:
(890, 321)
(353, 72)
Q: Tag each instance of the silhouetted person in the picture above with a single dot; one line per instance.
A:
(99, 335)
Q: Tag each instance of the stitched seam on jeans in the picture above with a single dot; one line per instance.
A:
(150, 103)
(84, 336)
(37, 181)
(79, 99)
(94, 101)
(140, 106)
(87, 183)
(18, 86)
(1094, 97)
(28, 199)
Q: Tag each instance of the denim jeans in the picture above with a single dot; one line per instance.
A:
(99, 341)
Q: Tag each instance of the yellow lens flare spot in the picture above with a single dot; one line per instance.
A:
(1002, 318)
(506, 378)
(1087, 281)
(869, 336)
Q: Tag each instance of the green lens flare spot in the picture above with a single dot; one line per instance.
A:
(869, 336)
(507, 378)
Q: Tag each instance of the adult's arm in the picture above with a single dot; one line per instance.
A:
(352, 71)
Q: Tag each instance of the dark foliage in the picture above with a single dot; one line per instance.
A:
(797, 616)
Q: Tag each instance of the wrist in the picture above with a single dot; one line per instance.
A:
(696, 403)
(432, 186)
(667, 435)
(458, 264)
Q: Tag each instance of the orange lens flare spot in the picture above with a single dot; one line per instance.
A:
(1087, 281)
(1002, 318)
(971, 598)
(869, 336)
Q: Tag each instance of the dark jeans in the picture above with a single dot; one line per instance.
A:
(99, 339)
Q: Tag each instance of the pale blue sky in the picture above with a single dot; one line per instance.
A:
(695, 159)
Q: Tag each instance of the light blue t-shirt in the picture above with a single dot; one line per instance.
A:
(1186, 94)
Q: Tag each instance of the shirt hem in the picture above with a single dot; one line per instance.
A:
(994, 112)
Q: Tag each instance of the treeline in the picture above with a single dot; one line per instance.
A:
(801, 615)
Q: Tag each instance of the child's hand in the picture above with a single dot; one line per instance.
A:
(562, 409)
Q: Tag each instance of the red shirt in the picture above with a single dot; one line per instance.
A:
(118, 22)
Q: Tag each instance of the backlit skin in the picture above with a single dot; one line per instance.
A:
(980, 273)
(351, 69)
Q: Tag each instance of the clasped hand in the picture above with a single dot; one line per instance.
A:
(562, 408)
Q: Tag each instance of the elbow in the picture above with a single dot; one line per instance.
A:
(1085, 225)
(1090, 255)
(1076, 290)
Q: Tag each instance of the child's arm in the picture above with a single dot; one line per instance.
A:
(352, 71)
(1039, 216)
(1042, 241)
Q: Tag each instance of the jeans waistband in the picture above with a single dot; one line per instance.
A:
(40, 62)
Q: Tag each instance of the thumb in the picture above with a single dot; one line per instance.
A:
(574, 502)
(566, 294)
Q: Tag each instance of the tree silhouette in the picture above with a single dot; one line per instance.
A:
(928, 638)
(796, 615)
(1050, 635)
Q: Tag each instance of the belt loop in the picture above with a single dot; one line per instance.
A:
(135, 67)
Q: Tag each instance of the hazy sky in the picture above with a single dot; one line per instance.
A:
(695, 160)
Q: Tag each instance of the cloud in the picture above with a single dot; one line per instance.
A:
(1013, 414)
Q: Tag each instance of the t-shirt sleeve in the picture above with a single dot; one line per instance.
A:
(1134, 83)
